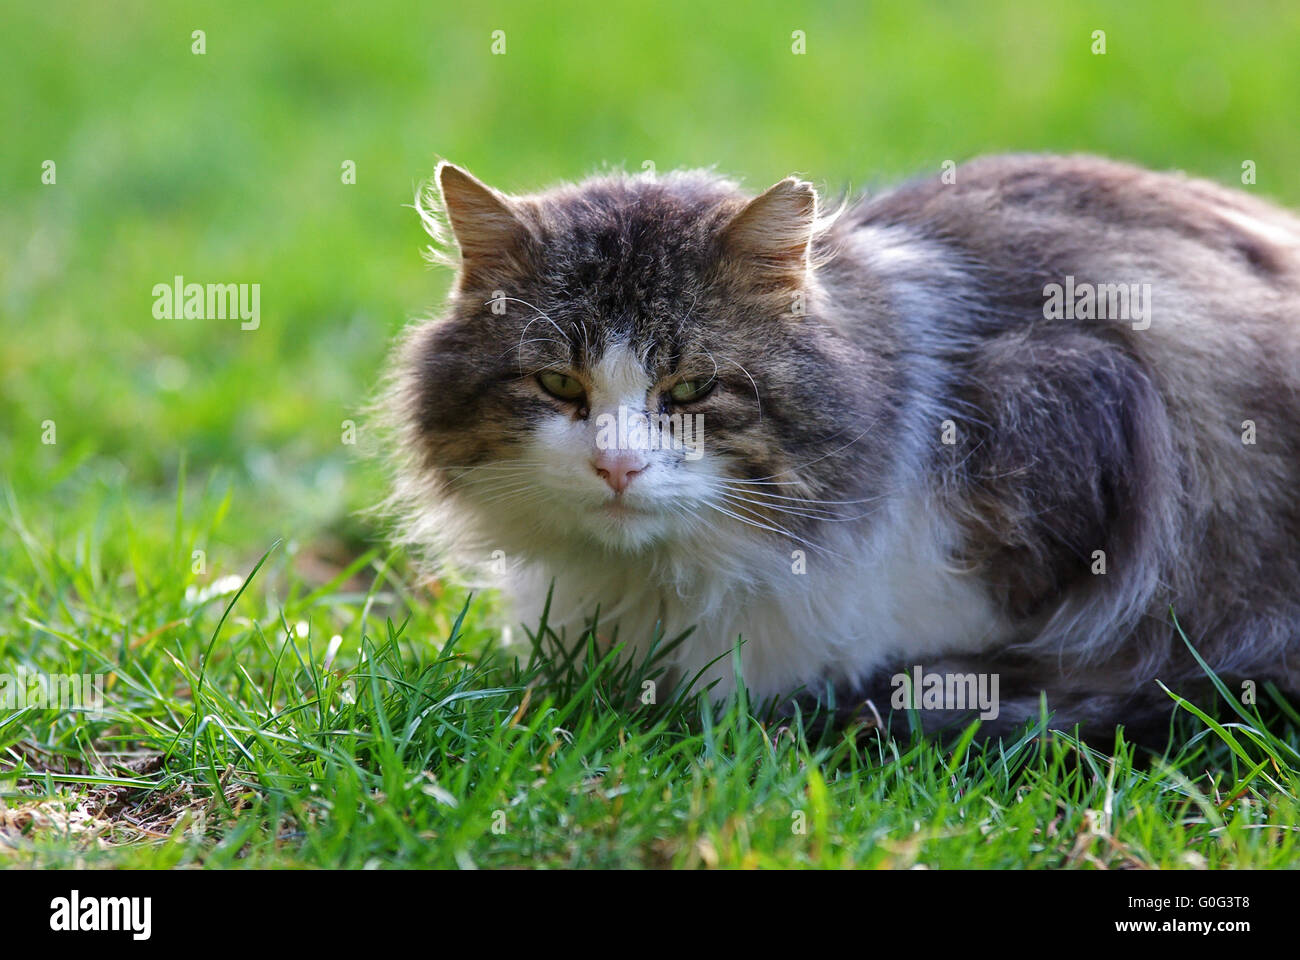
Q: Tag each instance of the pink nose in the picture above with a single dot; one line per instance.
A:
(618, 467)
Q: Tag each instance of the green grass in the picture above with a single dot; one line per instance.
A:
(226, 740)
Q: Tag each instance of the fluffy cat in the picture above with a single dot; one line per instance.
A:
(1005, 422)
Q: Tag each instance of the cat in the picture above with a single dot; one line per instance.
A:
(1008, 421)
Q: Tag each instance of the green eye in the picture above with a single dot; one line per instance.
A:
(560, 385)
(690, 390)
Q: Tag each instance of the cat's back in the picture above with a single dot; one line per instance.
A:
(1196, 283)
(1028, 210)
(1127, 344)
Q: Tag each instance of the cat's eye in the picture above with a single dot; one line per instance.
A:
(561, 385)
(688, 391)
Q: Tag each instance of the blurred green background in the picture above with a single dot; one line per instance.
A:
(226, 167)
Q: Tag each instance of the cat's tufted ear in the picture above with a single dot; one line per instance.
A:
(485, 223)
(774, 232)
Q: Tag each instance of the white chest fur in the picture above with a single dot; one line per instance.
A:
(887, 599)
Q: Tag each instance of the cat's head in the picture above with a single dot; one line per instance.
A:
(628, 363)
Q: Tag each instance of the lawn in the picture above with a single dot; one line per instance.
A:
(183, 509)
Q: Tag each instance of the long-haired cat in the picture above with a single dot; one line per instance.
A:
(1006, 422)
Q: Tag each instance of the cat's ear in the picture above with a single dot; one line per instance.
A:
(773, 233)
(485, 223)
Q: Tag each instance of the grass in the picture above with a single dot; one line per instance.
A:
(237, 730)
(239, 733)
